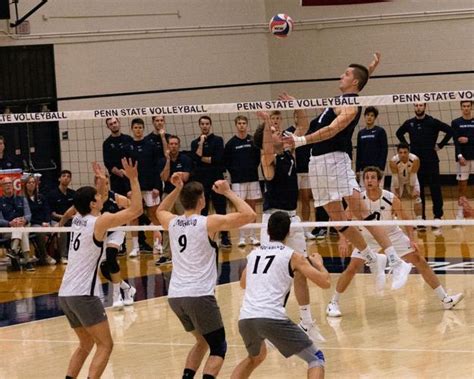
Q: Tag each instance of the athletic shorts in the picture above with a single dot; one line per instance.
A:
(295, 239)
(82, 310)
(399, 240)
(148, 199)
(197, 313)
(303, 180)
(285, 335)
(405, 188)
(464, 171)
(331, 177)
(248, 190)
(115, 238)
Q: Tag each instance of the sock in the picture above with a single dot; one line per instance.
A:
(392, 256)
(188, 373)
(369, 255)
(335, 297)
(208, 376)
(124, 285)
(305, 314)
(135, 243)
(116, 287)
(440, 292)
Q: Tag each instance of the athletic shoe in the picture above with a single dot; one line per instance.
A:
(332, 310)
(242, 242)
(117, 301)
(437, 231)
(12, 255)
(134, 253)
(225, 242)
(29, 267)
(33, 259)
(333, 232)
(421, 228)
(320, 234)
(254, 241)
(157, 248)
(163, 261)
(377, 268)
(50, 260)
(64, 260)
(128, 295)
(313, 332)
(309, 236)
(400, 272)
(145, 248)
(449, 302)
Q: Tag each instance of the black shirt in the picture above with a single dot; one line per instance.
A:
(145, 153)
(372, 148)
(302, 155)
(241, 159)
(110, 205)
(156, 139)
(60, 202)
(114, 149)
(8, 163)
(464, 128)
(282, 191)
(423, 135)
(40, 211)
(182, 164)
(208, 172)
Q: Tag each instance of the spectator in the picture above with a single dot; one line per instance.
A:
(7, 162)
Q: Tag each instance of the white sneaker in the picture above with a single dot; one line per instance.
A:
(117, 301)
(134, 253)
(400, 272)
(309, 236)
(254, 241)
(313, 332)
(449, 302)
(377, 268)
(437, 231)
(332, 310)
(242, 242)
(64, 260)
(128, 295)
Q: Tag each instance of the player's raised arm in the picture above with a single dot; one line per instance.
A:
(312, 268)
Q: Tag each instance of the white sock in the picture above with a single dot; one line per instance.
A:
(157, 242)
(124, 285)
(116, 288)
(335, 297)
(440, 292)
(135, 243)
(369, 255)
(392, 256)
(305, 314)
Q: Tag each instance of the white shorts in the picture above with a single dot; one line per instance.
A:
(115, 238)
(331, 177)
(399, 240)
(295, 239)
(303, 180)
(148, 198)
(464, 171)
(248, 190)
(406, 187)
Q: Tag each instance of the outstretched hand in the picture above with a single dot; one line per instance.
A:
(221, 187)
(375, 62)
(129, 169)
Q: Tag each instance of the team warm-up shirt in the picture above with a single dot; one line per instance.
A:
(464, 128)
(208, 173)
(268, 282)
(81, 275)
(302, 155)
(60, 202)
(156, 139)
(241, 159)
(182, 164)
(114, 149)
(194, 258)
(282, 191)
(372, 148)
(145, 153)
(404, 169)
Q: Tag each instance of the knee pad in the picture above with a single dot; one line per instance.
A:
(104, 269)
(217, 343)
(312, 356)
(111, 259)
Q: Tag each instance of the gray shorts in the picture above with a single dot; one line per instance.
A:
(82, 310)
(287, 337)
(197, 313)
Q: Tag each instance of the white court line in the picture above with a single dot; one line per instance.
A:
(242, 346)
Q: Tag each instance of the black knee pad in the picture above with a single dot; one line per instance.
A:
(217, 343)
(111, 259)
(104, 269)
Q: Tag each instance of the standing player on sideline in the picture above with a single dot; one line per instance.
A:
(194, 276)
(159, 136)
(241, 159)
(404, 167)
(383, 205)
(267, 281)
(463, 130)
(79, 291)
(281, 194)
(333, 180)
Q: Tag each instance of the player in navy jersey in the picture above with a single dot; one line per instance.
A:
(159, 135)
(463, 134)
(241, 159)
(331, 175)
(372, 145)
(146, 153)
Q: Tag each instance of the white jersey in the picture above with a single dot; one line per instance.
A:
(194, 257)
(382, 210)
(81, 275)
(404, 169)
(269, 279)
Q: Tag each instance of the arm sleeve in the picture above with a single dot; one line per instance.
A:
(447, 130)
(383, 150)
(217, 156)
(196, 158)
(106, 156)
(402, 130)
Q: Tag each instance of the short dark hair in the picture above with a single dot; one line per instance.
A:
(2, 138)
(174, 137)
(83, 198)
(403, 145)
(65, 172)
(373, 169)
(465, 101)
(373, 110)
(110, 118)
(258, 136)
(138, 121)
(241, 117)
(153, 117)
(361, 73)
(205, 118)
(190, 194)
(279, 226)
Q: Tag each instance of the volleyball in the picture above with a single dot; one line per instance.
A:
(281, 25)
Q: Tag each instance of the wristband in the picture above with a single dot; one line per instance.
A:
(299, 141)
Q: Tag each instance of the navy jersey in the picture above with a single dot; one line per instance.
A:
(114, 149)
(156, 139)
(372, 148)
(39, 208)
(464, 128)
(302, 155)
(241, 159)
(145, 153)
(8, 162)
(60, 202)
(182, 164)
(213, 147)
(282, 191)
(342, 141)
